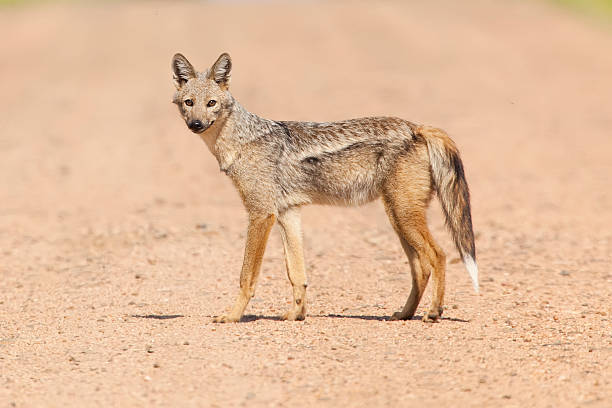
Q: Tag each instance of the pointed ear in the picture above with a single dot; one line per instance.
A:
(182, 69)
(220, 71)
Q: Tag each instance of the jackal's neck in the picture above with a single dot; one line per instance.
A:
(238, 128)
(246, 126)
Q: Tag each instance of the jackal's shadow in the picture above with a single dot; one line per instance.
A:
(384, 318)
(157, 317)
(252, 318)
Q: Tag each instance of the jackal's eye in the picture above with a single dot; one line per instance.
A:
(188, 102)
(211, 103)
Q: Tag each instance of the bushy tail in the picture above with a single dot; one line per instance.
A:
(452, 189)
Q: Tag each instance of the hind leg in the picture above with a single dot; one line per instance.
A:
(415, 247)
(426, 259)
(406, 198)
(420, 277)
(438, 259)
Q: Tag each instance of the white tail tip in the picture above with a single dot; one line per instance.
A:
(472, 269)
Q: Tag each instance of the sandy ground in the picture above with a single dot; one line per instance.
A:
(120, 238)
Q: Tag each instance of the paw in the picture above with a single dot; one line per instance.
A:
(226, 319)
(399, 316)
(293, 315)
(432, 316)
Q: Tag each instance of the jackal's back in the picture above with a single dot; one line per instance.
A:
(343, 162)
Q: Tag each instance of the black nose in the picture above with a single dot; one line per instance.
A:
(195, 125)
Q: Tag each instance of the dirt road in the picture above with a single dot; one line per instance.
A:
(120, 238)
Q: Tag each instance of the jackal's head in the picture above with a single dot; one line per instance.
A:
(203, 98)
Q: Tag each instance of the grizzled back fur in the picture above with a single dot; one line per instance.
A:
(342, 163)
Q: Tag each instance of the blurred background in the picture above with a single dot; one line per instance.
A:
(86, 85)
(85, 112)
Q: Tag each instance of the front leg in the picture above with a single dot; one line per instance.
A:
(257, 236)
(291, 233)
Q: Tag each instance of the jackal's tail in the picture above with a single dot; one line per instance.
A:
(452, 189)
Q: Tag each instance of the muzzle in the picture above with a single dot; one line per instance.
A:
(197, 126)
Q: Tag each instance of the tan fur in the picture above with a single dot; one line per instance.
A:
(277, 167)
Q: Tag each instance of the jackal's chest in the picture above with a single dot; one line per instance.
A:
(255, 184)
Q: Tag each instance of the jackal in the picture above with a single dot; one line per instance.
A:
(279, 166)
